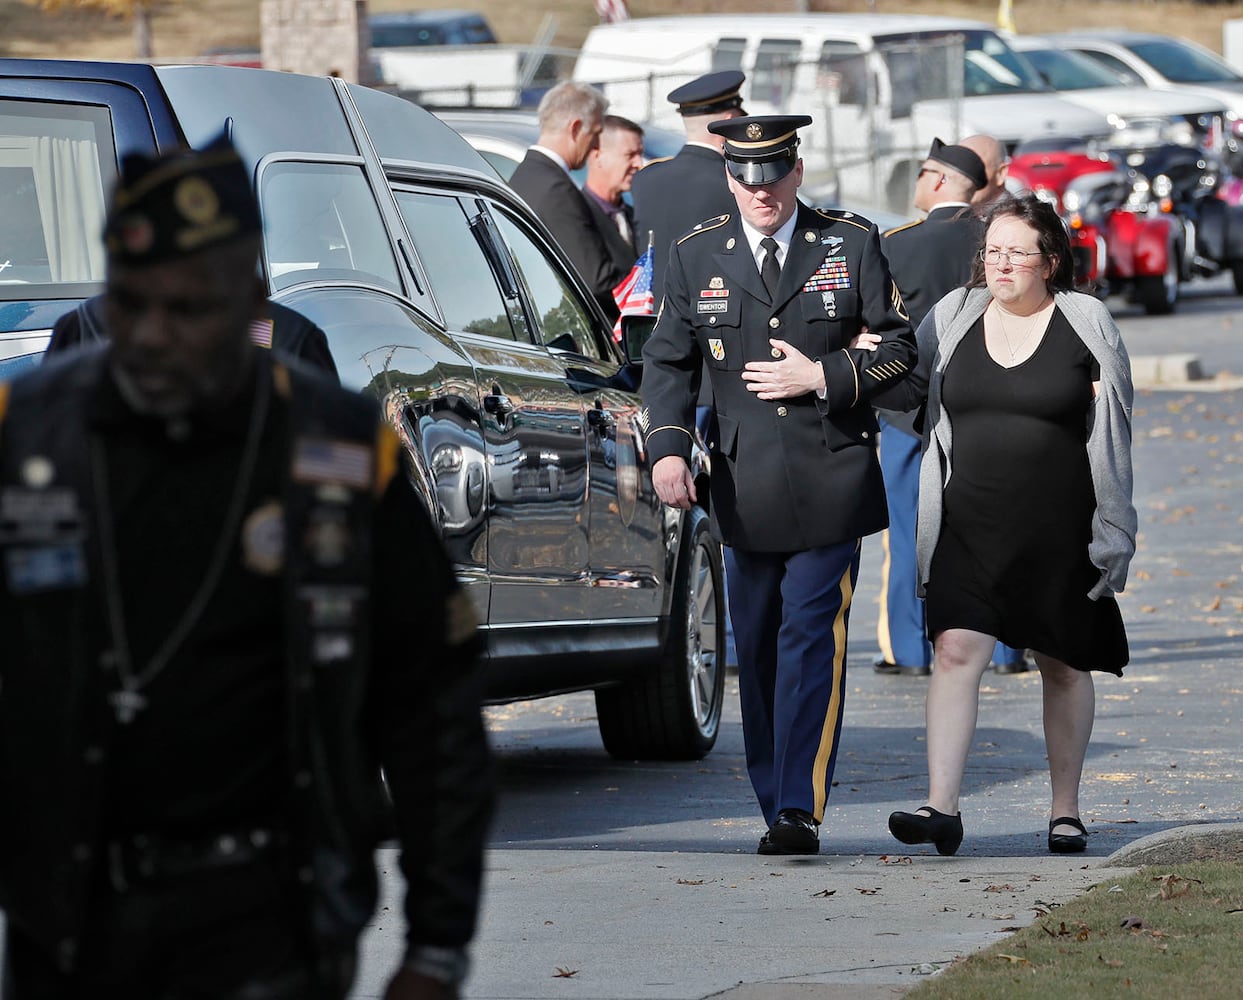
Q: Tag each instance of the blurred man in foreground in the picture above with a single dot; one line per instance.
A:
(214, 642)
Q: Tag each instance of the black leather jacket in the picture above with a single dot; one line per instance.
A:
(401, 692)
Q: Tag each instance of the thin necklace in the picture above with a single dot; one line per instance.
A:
(1031, 327)
(129, 699)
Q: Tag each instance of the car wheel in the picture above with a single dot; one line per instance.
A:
(673, 711)
(1236, 269)
(1158, 293)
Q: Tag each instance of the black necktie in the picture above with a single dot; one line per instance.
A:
(770, 270)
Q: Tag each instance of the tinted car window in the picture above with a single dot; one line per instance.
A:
(775, 62)
(1182, 63)
(56, 163)
(1116, 65)
(844, 66)
(728, 53)
(1070, 71)
(461, 277)
(562, 322)
(321, 223)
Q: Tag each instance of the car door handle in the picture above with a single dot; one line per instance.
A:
(500, 406)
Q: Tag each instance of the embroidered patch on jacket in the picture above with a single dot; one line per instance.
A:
(717, 348)
(323, 460)
(261, 332)
(711, 306)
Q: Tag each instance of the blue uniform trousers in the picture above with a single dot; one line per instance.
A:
(900, 630)
(790, 613)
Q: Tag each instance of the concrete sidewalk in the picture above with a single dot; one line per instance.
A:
(620, 925)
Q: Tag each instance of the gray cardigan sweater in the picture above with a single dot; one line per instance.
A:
(1114, 522)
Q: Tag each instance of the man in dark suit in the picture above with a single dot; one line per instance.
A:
(928, 258)
(611, 167)
(571, 117)
(771, 295)
(670, 196)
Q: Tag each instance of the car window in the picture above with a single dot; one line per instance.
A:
(321, 223)
(1184, 63)
(563, 321)
(1116, 65)
(1070, 71)
(776, 59)
(56, 163)
(843, 67)
(727, 53)
(461, 278)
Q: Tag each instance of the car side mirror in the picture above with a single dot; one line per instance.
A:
(636, 331)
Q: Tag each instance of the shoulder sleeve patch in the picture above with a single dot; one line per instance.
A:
(280, 381)
(705, 227)
(387, 450)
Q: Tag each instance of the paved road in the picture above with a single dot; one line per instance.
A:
(641, 878)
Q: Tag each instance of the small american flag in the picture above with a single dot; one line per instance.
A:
(612, 11)
(634, 294)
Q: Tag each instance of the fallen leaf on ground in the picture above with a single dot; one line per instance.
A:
(564, 973)
(1134, 923)
(867, 892)
(1017, 959)
(999, 888)
(1113, 963)
(824, 893)
(901, 859)
(690, 881)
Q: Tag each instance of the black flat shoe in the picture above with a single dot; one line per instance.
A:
(938, 828)
(794, 832)
(1067, 843)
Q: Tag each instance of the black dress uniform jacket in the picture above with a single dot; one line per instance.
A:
(379, 668)
(929, 258)
(563, 208)
(671, 196)
(787, 474)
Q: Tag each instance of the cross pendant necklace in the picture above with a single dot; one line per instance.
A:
(128, 700)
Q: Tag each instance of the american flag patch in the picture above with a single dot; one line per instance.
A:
(322, 460)
(261, 332)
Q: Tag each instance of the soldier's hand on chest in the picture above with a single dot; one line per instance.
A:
(791, 373)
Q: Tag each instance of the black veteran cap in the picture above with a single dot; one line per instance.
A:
(710, 93)
(761, 149)
(180, 203)
(962, 159)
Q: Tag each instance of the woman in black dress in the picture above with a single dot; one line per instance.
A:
(1026, 525)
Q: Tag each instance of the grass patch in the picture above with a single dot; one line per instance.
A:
(1165, 931)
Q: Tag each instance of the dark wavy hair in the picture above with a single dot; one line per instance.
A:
(1051, 238)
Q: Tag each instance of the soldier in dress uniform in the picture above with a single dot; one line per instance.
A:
(928, 257)
(771, 295)
(672, 195)
(213, 643)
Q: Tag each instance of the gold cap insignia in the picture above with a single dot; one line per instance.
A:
(196, 201)
(754, 131)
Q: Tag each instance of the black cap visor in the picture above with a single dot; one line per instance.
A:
(758, 170)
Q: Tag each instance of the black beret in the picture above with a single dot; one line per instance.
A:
(967, 162)
(179, 203)
(760, 149)
(712, 92)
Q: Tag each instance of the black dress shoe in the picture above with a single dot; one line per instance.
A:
(1067, 843)
(882, 666)
(940, 829)
(794, 832)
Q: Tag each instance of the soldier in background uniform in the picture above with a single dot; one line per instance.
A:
(213, 642)
(670, 196)
(928, 258)
(771, 295)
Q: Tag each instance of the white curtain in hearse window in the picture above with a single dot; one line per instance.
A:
(51, 199)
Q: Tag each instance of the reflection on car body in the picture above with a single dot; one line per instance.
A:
(444, 299)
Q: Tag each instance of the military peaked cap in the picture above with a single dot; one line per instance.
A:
(760, 149)
(966, 161)
(720, 91)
